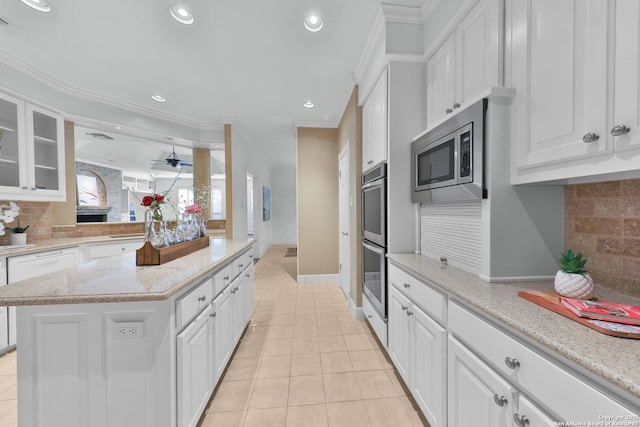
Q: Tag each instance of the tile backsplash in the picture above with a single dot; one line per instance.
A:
(39, 217)
(603, 221)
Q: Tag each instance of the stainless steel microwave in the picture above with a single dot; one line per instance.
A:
(447, 163)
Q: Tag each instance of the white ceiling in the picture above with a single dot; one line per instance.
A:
(248, 61)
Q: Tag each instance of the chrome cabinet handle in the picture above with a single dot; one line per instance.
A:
(443, 260)
(500, 400)
(619, 130)
(202, 298)
(520, 420)
(511, 363)
(241, 265)
(409, 313)
(590, 137)
(369, 316)
(344, 233)
(233, 291)
(406, 285)
(225, 278)
(247, 275)
(448, 111)
(213, 314)
(456, 105)
(404, 308)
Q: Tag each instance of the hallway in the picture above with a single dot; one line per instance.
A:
(305, 361)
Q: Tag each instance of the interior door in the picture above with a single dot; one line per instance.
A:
(344, 210)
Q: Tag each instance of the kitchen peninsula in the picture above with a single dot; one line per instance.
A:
(108, 343)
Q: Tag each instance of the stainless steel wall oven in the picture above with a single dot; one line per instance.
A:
(374, 238)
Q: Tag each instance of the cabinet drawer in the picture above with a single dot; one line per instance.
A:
(221, 279)
(189, 305)
(24, 267)
(104, 250)
(423, 295)
(561, 392)
(378, 325)
(239, 264)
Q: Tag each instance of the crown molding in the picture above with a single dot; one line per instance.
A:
(402, 14)
(427, 8)
(66, 89)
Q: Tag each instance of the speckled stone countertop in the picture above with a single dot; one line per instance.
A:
(118, 279)
(616, 360)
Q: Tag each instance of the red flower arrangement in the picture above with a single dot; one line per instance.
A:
(153, 202)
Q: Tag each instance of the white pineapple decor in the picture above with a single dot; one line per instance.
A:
(572, 280)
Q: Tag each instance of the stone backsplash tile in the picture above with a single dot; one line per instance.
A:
(603, 221)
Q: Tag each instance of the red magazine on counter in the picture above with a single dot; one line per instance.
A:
(603, 310)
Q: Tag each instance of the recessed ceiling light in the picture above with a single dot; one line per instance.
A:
(181, 15)
(308, 104)
(313, 23)
(158, 98)
(40, 5)
(118, 127)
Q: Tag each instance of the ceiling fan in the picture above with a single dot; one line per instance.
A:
(173, 161)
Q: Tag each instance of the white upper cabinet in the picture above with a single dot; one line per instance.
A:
(576, 74)
(375, 124)
(626, 111)
(467, 63)
(31, 152)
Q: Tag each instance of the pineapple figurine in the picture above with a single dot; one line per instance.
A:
(572, 280)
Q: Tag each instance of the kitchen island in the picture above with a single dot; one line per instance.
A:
(109, 343)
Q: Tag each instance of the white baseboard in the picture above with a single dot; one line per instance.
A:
(319, 278)
(357, 312)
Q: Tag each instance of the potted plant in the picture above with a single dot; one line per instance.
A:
(572, 280)
(7, 214)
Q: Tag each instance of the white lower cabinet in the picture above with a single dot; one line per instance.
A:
(23, 267)
(195, 367)
(92, 251)
(417, 346)
(477, 395)
(223, 332)
(556, 390)
(4, 311)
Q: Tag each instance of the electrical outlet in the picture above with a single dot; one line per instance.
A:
(128, 329)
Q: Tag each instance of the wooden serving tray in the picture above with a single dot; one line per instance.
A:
(551, 301)
(148, 255)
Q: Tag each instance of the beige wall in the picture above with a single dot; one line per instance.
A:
(317, 201)
(350, 132)
(64, 213)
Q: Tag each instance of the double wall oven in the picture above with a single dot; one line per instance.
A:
(374, 238)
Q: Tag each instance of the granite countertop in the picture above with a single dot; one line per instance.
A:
(118, 279)
(610, 358)
(53, 244)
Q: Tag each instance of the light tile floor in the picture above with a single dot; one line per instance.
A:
(303, 361)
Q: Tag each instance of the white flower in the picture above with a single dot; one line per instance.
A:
(8, 213)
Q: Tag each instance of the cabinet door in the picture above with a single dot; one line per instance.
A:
(478, 45)
(374, 124)
(440, 86)
(13, 174)
(195, 368)
(223, 334)
(45, 154)
(248, 293)
(477, 396)
(627, 74)
(398, 323)
(536, 418)
(561, 86)
(428, 366)
(238, 308)
(4, 328)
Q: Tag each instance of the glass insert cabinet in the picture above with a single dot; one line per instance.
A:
(31, 152)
